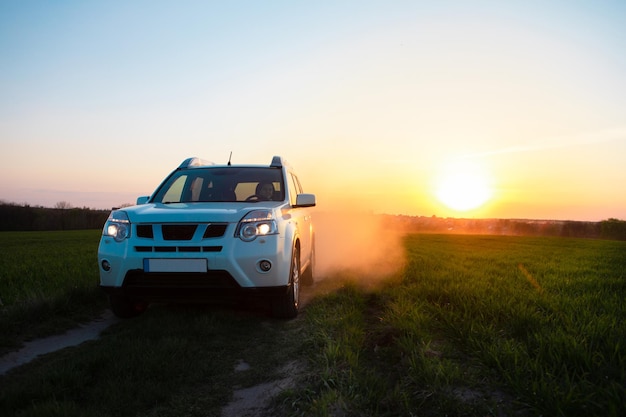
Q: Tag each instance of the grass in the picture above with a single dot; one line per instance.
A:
(48, 283)
(471, 326)
(171, 361)
(475, 325)
(39, 265)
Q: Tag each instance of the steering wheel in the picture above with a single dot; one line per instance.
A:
(253, 197)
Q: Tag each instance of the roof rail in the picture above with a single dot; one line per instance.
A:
(194, 162)
(277, 162)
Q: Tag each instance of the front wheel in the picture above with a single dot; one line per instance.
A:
(308, 276)
(286, 306)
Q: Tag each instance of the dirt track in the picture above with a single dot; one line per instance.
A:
(72, 337)
(248, 402)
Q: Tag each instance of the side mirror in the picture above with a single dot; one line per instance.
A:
(143, 199)
(305, 200)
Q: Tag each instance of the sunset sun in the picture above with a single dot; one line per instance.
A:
(463, 187)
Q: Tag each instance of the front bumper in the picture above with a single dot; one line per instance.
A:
(232, 267)
(150, 287)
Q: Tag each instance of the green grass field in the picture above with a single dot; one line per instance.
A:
(472, 326)
(476, 324)
(48, 283)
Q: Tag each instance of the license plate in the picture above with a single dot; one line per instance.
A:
(175, 265)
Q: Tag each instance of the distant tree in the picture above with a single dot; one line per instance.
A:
(22, 217)
(63, 205)
(613, 229)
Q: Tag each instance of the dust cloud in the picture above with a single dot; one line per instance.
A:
(356, 246)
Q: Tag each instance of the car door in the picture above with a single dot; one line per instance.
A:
(302, 218)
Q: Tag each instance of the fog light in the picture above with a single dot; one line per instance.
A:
(265, 265)
(106, 265)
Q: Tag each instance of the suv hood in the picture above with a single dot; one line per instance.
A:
(193, 212)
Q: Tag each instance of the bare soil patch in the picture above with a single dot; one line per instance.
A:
(35, 348)
(253, 401)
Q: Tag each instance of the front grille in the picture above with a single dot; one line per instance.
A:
(178, 248)
(215, 230)
(145, 230)
(181, 231)
(165, 248)
(178, 231)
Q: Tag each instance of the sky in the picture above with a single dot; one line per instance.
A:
(399, 107)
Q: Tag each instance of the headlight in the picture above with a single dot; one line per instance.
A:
(117, 226)
(256, 223)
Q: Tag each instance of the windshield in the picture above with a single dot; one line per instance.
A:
(225, 184)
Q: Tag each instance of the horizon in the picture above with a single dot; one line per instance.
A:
(510, 110)
(65, 205)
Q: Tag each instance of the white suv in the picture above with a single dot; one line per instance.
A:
(211, 230)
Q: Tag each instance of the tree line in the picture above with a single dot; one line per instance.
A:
(613, 229)
(15, 217)
(63, 216)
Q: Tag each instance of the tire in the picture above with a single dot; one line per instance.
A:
(308, 276)
(286, 306)
(125, 308)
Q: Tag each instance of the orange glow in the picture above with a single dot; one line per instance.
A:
(463, 186)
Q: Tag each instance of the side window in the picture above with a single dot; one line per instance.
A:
(294, 189)
(297, 181)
